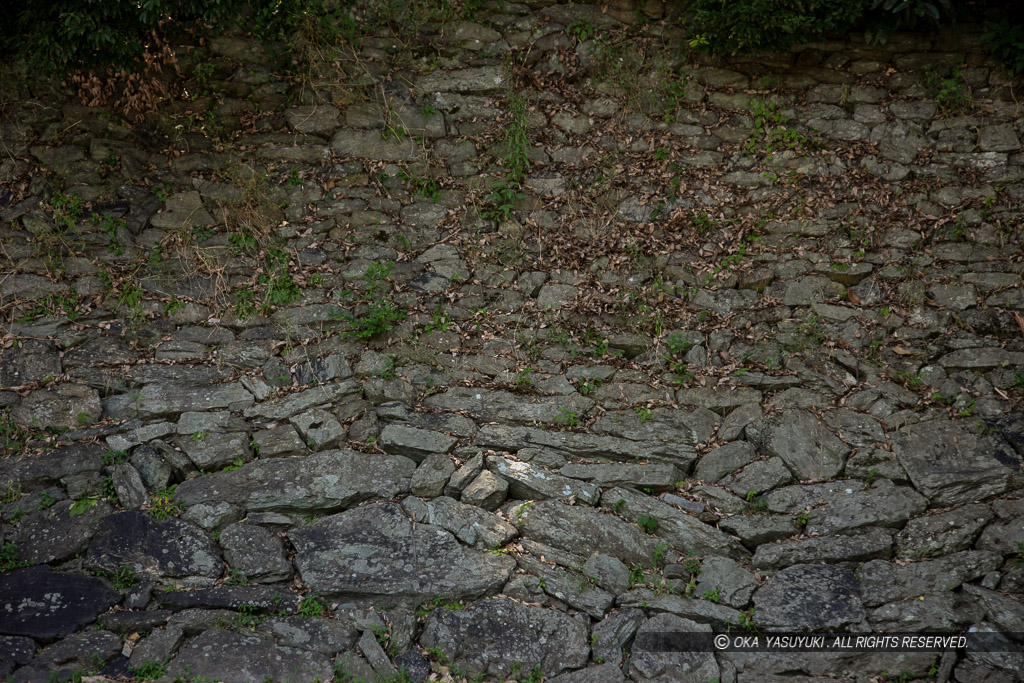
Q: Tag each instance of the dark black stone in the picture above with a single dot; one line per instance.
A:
(413, 664)
(15, 651)
(170, 547)
(43, 604)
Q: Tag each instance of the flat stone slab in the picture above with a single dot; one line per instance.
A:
(951, 463)
(476, 80)
(65, 406)
(685, 532)
(375, 552)
(581, 530)
(41, 603)
(527, 481)
(654, 477)
(331, 480)
(157, 548)
(413, 442)
(856, 546)
(678, 451)
(852, 507)
(943, 533)
(491, 636)
(371, 144)
(810, 597)
(883, 582)
(162, 399)
(491, 404)
(236, 658)
(293, 404)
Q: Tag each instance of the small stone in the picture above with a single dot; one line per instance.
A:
(431, 477)
(609, 572)
(256, 552)
(486, 491)
(320, 429)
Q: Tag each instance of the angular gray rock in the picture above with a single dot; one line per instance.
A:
(883, 582)
(374, 552)
(653, 477)
(810, 597)
(331, 480)
(257, 552)
(471, 525)
(727, 580)
(324, 395)
(528, 482)
(951, 463)
(43, 604)
(432, 475)
(859, 545)
(571, 588)
(853, 507)
(214, 450)
(945, 612)
(943, 533)
(724, 460)
(476, 80)
(805, 444)
(685, 532)
(414, 443)
(677, 449)
(493, 635)
(614, 633)
(580, 529)
(53, 534)
(648, 662)
(487, 491)
(65, 406)
(158, 400)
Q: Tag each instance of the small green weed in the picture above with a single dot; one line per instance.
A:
(312, 606)
(567, 417)
(647, 523)
(164, 505)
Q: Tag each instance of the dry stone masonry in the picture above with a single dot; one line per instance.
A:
(503, 344)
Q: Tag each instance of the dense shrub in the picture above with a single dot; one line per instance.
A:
(1005, 42)
(747, 26)
(61, 36)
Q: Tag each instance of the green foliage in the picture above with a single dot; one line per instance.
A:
(9, 557)
(751, 26)
(647, 523)
(567, 418)
(80, 507)
(1005, 43)
(888, 16)
(68, 35)
(380, 314)
(951, 94)
(515, 161)
(312, 606)
(150, 671)
(164, 505)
